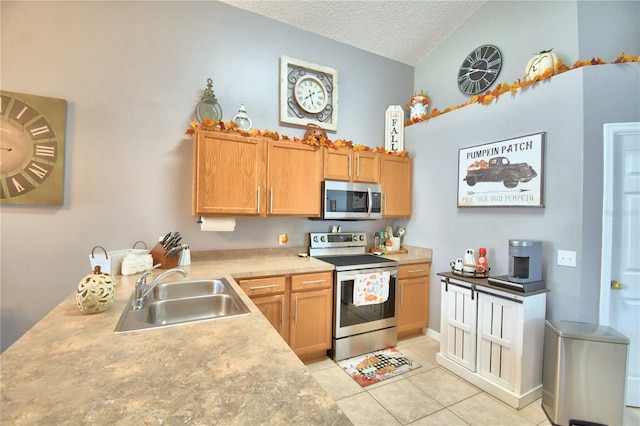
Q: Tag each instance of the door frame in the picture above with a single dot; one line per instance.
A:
(610, 131)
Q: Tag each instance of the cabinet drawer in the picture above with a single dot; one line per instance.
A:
(259, 286)
(311, 281)
(414, 270)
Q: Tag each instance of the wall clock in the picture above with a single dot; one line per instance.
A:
(308, 93)
(32, 149)
(479, 70)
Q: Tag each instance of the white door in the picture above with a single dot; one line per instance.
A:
(620, 286)
(497, 329)
(458, 319)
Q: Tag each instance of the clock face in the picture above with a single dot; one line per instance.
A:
(479, 70)
(310, 94)
(31, 149)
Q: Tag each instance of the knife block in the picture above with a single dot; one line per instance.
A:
(158, 255)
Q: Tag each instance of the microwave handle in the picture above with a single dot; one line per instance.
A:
(370, 202)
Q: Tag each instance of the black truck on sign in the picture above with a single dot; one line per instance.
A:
(499, 169)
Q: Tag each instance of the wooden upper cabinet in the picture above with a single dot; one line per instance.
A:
(396, 179)
(353, 166)
(294, 174)
(228, 174)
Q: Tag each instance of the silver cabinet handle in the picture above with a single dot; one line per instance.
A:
(313, 282)
(295, 316)
(282, 312)
(401, 294)
(349, 171)
(261, 287)
(414, 271)
(271, 201)
(258, 198)
(358, 165)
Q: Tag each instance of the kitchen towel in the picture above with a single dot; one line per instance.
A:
(370, 289)
(220, 224)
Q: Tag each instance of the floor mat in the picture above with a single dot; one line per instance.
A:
(377, 366)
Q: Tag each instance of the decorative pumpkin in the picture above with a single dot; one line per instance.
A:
(540, 63)
(96, 292)
(313, 130)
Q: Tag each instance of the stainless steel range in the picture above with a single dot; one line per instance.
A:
(358, 328)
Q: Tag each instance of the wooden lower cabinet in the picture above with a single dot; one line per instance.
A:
(310, 326)
(274, 309)
(300, 308)
(413, 298)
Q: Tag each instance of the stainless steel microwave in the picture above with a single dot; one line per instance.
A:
(351, 200)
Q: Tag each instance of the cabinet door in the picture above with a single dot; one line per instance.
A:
(338, 164)
(310, 321)
(497, 328)
(294, 173)
(366, 167)
(273, 308)
(228, 174)
(458, 325)
(396, 180)
(413, 305)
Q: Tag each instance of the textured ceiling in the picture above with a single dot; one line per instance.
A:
(402, 30)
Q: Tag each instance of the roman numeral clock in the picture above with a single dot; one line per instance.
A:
(32, 139)
(308, 93)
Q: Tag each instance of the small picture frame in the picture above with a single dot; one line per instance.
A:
(507, 173)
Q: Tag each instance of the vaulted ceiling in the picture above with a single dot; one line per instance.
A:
(403, 30)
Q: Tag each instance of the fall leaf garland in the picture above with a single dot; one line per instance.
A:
(231, 127)
(492, 95)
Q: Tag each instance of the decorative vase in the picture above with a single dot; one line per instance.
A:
(96, 292)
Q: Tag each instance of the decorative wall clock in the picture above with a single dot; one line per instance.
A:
(32, 144)
(479, 69)
(308, 93)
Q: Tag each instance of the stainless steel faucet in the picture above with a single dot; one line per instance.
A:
(142, 289)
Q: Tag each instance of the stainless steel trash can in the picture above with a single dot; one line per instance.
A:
(583, 373)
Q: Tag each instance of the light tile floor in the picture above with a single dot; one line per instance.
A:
(429, 395)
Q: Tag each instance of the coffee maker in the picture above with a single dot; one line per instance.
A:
(525, 261)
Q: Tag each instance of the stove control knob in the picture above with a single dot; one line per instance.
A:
(315, 238)
(322, 238)
(361, 237)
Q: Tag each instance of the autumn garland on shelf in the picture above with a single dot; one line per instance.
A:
(231, 127)
(492, 95)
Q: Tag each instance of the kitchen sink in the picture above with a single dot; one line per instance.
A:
(181, 289)
(183, 302)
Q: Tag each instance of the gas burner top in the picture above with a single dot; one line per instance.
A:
(357, 261)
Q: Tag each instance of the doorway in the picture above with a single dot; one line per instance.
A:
(620, 272)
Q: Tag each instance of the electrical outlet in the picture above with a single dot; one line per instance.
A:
(567, 258)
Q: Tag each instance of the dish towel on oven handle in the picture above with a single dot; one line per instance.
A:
(370, 289)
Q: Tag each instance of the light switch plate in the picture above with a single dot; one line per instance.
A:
(567, 258)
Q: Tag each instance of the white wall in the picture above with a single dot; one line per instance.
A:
(132, 73)
(571, 108)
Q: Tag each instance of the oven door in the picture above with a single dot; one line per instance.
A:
(350, 319)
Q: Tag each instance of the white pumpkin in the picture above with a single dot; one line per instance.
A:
(540, 63)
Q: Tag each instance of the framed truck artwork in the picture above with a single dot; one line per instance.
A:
(508, 173)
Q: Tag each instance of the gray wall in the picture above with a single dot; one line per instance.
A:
(571, 108)
(132, 73)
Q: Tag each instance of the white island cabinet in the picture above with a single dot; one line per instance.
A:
(493, 337)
